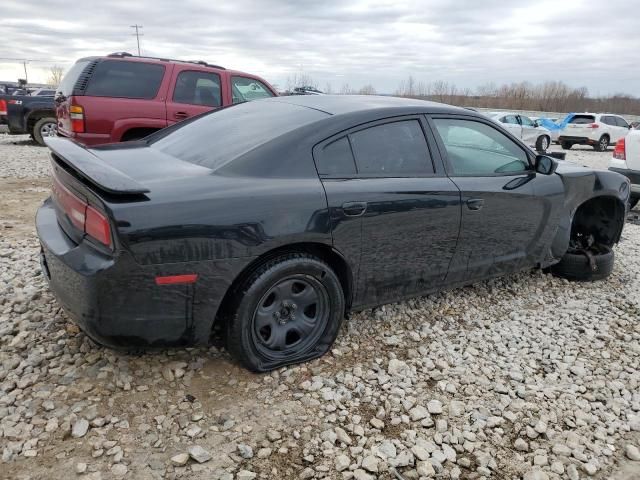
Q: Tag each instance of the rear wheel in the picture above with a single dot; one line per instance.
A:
(602, 144)
(566, 145)
(45, 127)
(289, 310)
(595, 263)
(542, 143)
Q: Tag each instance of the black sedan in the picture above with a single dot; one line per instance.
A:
(275, 218)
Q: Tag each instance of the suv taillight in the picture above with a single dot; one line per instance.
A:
(3, 107)
(594, 125)
(76, 113)
(83, 216)
(620, 152)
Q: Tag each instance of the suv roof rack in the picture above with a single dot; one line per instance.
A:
(197, 62)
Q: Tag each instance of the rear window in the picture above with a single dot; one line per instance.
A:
(114, 78)
(582, 119)
(218, 137)
(70, 79)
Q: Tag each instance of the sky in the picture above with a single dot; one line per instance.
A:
(381, 43)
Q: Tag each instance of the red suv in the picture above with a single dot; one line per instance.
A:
(121, 97)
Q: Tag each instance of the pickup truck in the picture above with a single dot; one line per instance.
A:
(626, 160)
(32, 114)
(120, 97)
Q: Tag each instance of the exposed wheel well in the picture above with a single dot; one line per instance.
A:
(602, 217)
(322, 251)
(137, 133)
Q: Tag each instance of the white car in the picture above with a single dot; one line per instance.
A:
(524, 128)
(626, 160)
(596, 129)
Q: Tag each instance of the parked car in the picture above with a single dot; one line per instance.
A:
(525, 129)
(120, 97)
(275, 218)
(34, 115)
(635, 125)
(596, 129)
(43, 92)
(626, 161)
(550, 124)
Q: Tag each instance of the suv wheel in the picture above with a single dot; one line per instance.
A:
(45, 127)
(603, 144)
(566, 145)
(289, 310)
(542, 143)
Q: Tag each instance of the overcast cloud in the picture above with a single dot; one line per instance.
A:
(581, 42)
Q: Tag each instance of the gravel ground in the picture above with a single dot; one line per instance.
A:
(526, 377)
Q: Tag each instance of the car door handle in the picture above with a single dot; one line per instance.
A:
(181, 115)
(475, 203)
(354, 209)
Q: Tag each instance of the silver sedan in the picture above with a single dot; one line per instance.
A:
(524, 128)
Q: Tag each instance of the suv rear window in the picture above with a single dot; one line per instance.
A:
(115, 78)
(66, 85)
(582, 119)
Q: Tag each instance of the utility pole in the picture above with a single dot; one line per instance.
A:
(26, 78)
(138, 35)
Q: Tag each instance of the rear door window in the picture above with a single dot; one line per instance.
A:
(124, 79)
(392, 149)
(198, 88)
(336, 158)
(246, 89)
(510, 119)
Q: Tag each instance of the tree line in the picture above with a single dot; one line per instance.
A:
(549, 96)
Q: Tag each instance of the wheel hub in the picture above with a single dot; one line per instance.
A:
(286, 313)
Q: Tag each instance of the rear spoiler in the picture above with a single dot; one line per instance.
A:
(92, 168)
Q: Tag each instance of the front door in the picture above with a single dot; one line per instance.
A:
(392, 208)
(529, 131)
(194, 92)
(498, 184)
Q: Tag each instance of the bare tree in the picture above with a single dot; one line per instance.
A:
(55, 75)
(328, 88)
(367, 90)
(346, 89)
(299, 80)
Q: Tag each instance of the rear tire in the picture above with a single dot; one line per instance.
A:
(542, 143)
(602, 145)
(576, 266)
(566, 145)
(45, 127)
(288, 310)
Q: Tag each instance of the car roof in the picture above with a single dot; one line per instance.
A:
(343, 104)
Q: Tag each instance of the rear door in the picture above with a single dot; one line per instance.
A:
(391, 207)
(503, 220)
(193, 91)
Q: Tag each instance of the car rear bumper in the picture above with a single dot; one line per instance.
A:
(577, 140)
(88, 139)
(633, 176)
(114, 300)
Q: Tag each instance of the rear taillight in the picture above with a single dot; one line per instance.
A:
(620, 152)
(76, 113)
(594, 125)
(3, 107)
(81, 215)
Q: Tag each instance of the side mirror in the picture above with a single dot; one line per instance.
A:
(545, 165)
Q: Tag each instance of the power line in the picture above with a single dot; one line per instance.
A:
(138, 35)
